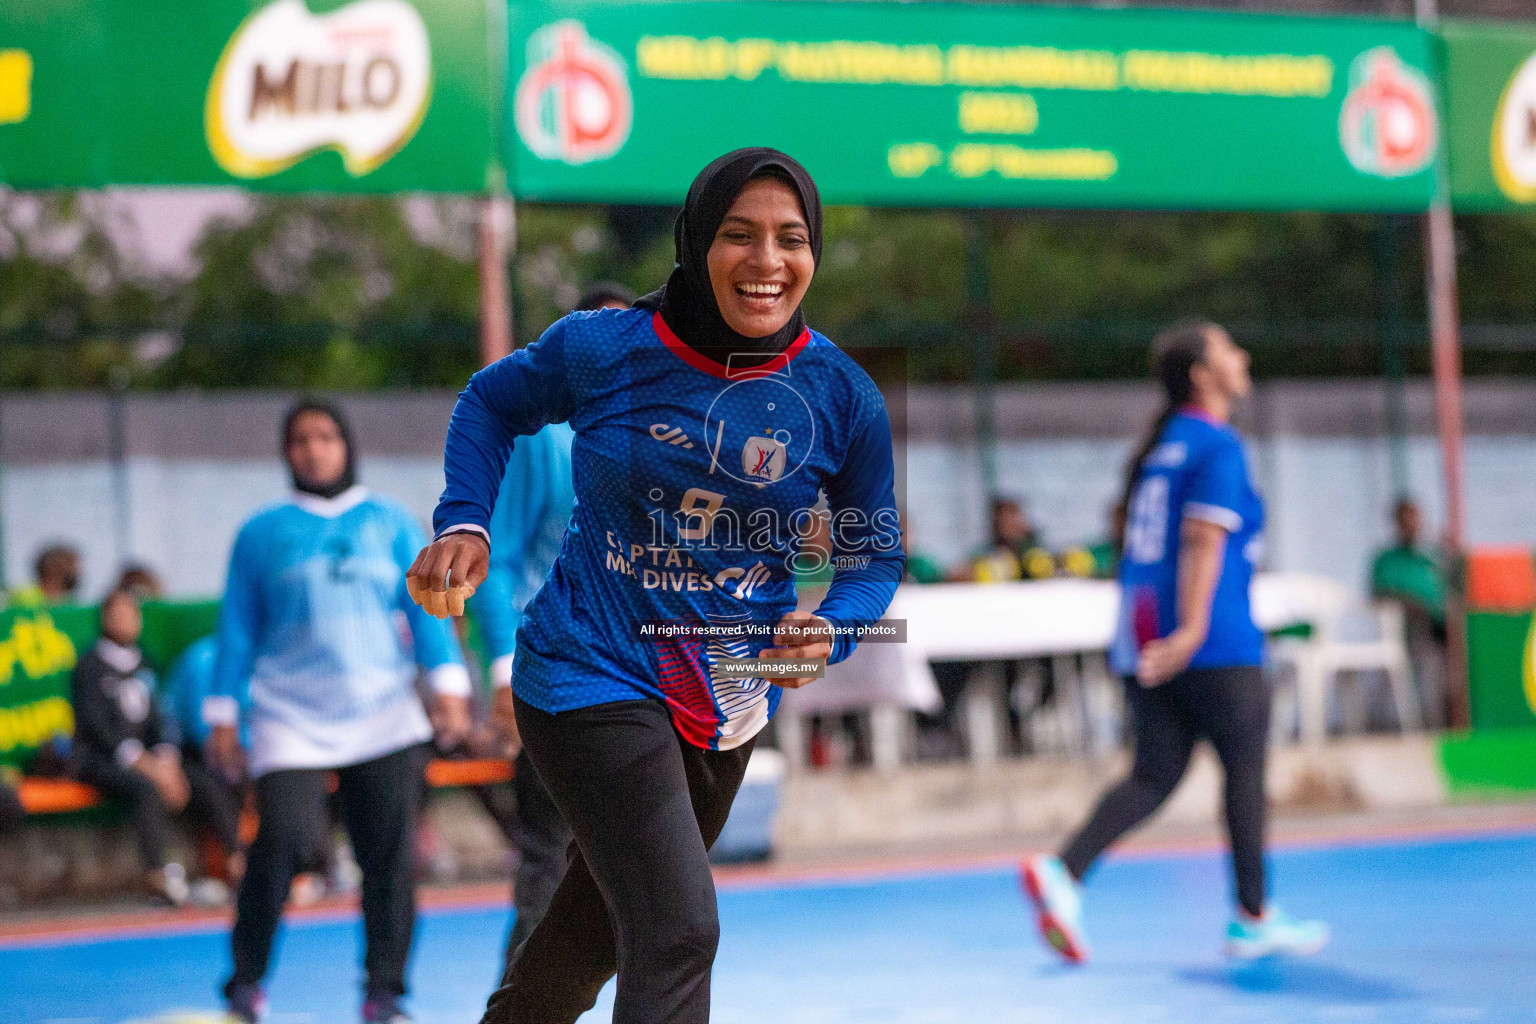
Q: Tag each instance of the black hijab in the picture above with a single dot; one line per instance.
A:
(687, 301)
(348, 476)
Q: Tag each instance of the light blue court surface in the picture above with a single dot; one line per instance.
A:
(1434, 930)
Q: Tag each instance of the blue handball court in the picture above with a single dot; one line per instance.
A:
(1425, 929)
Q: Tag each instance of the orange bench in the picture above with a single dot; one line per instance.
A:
(63, 796)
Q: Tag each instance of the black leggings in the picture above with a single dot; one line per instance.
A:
(379, 801)
(637, 897)
(1229, 707)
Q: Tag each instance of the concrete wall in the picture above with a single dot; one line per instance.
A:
(195, 466)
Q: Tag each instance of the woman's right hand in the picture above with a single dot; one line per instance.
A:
(223, 749)
(460, 558)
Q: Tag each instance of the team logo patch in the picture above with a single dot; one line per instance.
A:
(573, 104)
(762, 458)
(1388, 126)
(768, 422)
(1513, 146)
(291, 83)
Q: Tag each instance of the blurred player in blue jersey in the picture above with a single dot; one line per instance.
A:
(532, 510)
(709, 421)
(1186, 644)
(312, 659)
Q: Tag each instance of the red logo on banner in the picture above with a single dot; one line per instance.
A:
(1388, 126)
(573, 103)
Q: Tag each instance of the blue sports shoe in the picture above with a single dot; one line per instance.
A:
(1058, 897)
(1274, 933)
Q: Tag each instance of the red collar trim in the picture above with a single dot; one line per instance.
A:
(699, 361)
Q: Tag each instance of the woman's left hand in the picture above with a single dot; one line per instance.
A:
(802, 637)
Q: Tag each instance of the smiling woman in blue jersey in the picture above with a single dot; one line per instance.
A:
(1186, 645)
(709, 421)
(311, 654)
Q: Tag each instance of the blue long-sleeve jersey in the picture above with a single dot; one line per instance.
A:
(694, 483)
(319, 639)
(527, 525)
(188, 685)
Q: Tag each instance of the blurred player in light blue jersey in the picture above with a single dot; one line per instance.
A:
(710, 421)
(1187, 646)
(527, 525)
(318, 652)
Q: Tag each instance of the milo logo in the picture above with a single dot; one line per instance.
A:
(291, 83)
(1513, 146)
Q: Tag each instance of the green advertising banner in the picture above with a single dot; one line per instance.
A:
(281, 95)
(1501, 661)
(36, 658)
(948, 104)
(1490, 99)
(38, 650)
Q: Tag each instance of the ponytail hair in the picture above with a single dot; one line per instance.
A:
(1175, 351)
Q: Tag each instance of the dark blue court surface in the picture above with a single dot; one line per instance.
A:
(1441, 930)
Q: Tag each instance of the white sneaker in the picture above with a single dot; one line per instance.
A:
(1058, 897)
(1275, 933)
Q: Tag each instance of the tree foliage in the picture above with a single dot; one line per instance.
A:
(369, 292)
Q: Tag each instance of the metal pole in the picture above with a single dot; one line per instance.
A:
(496, 213)
(1390, 332)
(1445, 349)
(983, 349)
(117, 455)
(498, 234)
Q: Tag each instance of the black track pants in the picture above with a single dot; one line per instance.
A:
(542, 840)
(379, 800)
(1229, 707)
(637, 898)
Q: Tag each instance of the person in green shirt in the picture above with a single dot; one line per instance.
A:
(1405, 572)
(1412, 576)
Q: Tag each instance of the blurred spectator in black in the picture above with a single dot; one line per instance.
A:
(606, 295)
(57, 579)
(141, 581)
(1406, 573)
(1014, 552)
(124, 748)
(12, 814)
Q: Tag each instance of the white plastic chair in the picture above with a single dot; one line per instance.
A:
(1322, 662)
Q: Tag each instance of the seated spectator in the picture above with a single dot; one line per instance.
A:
(12, 814)
(57, 572)
(1101, 559)
(1406, 573)
(141, 581)
(1014, 552)
(124, 749)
